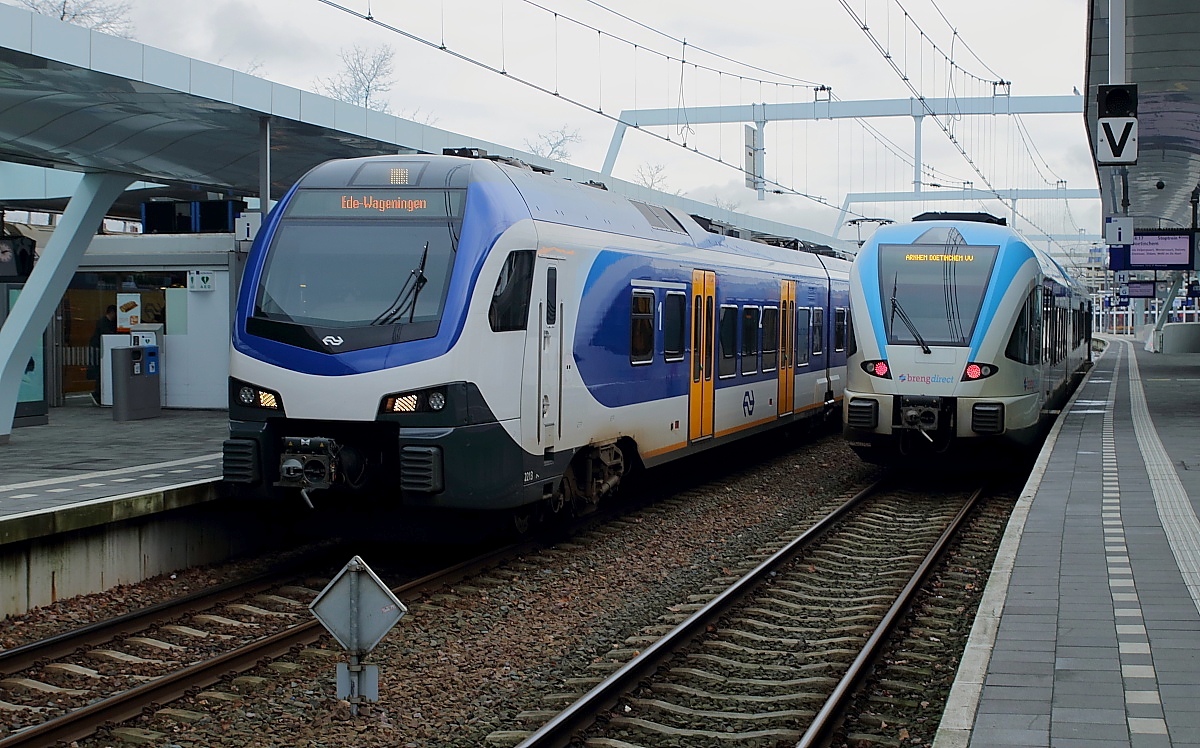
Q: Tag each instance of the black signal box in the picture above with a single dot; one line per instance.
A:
(1116, 100)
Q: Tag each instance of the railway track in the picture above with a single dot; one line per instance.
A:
(775, 656)
(269, 662)
(68, 686)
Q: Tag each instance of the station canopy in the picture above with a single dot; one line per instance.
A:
(83, 101)
(1162, 43)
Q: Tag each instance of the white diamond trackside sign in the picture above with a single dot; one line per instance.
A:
(357, 608)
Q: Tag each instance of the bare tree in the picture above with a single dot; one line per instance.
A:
(429, 119)
(553, 144)
(367, 76)
(651, 176)
(729, 205)
(254, 67)
(107, 17)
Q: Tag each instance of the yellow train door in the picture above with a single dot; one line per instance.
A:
(700, 394)
(787, 346)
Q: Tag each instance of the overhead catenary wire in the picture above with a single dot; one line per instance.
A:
(916, 90)
(778, 188)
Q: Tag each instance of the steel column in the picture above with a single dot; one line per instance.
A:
(34, 308)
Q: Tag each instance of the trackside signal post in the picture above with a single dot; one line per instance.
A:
(358, 609)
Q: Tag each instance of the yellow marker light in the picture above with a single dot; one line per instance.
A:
(404, 404)
(267, 400)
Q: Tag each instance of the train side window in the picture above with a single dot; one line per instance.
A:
(803, 331)
(641, 328)
(551, 295)
(510, 299)
(818, 331)
(750, 315)
(839, 329)
(727, 364)
(770, 337)
(674, 317)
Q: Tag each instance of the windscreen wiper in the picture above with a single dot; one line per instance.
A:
(897, 309)
(406, 300)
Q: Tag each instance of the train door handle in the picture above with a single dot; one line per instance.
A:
(545, 404)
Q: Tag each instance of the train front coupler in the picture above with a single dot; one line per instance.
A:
(308, 463)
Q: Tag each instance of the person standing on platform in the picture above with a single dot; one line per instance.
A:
(106, 325)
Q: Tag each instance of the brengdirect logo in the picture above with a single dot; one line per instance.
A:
(925, 378)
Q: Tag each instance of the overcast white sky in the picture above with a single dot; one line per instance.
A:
(1038, 45)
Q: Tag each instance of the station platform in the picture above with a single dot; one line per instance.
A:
(1088, 633)
(84, 468)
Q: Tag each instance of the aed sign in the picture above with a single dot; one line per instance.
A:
(200, 280)
(1116, 140)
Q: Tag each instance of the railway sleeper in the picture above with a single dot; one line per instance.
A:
(697, 693)
(755, 735)
(894, 702)
(678, 710)
(901, 686)
(760, 667)
(774, 655)
(882, 720)
(823, 681)
(768, 626)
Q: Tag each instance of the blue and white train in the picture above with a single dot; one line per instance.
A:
(466, 333)
(966, 339)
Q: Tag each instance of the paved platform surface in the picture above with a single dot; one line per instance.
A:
(1088, 635)
(83, 455)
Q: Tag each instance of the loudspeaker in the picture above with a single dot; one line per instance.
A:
(1116, 101)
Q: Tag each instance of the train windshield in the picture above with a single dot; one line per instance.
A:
(931, 293)
(341, 260)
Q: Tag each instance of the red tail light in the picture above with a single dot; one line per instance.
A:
(976, 371)
(877, 369)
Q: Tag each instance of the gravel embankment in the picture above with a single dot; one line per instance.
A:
(466, 661)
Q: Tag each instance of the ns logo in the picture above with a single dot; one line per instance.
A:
(332, 340)
(748, 403)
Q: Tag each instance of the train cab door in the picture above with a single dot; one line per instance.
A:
(700, 394)
(550, 350)
(787, 347)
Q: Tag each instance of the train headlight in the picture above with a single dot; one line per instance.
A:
(877, 369)
(254, 397)
(976, 371)
(418, 401)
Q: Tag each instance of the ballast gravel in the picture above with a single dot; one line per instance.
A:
(467, 661)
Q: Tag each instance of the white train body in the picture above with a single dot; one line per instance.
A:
(559, 335)
(966, 339)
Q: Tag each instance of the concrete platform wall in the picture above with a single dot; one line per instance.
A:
(1181, 337)
(41, 570)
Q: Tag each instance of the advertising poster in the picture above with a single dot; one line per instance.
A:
(129, 310)
(33, 380)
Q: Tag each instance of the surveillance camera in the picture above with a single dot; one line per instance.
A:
(1160, 184)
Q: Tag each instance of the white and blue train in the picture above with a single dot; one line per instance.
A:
(966, 339)
(465, 333)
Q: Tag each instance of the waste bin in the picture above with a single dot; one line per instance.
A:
(135, 383)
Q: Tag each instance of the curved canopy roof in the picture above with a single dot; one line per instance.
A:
(1162, 53)
(80, 100)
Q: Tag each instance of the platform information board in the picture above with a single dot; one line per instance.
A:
(1172, 249)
